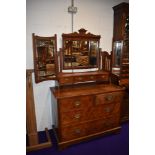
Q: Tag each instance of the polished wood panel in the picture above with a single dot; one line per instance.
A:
(121, 12)
(73, 78)
(31, 125)
(30, 111)
(86, 111)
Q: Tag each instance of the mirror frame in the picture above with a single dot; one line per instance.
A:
(78, 38)
(45, 66)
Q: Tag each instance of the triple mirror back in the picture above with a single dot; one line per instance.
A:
(80, 50)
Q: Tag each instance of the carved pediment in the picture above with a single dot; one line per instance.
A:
(81, 33)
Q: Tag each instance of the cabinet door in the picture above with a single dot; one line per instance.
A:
(45, 62)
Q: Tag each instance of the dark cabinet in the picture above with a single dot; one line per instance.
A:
(121, 14)
(120, 53)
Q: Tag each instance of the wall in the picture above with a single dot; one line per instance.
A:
(49, 17)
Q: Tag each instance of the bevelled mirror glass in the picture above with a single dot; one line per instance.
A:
(44, 49)
(80, 54)
(80, 51)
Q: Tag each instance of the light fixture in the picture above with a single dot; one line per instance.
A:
(72, 9)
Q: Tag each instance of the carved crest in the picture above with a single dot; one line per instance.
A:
(81, 33)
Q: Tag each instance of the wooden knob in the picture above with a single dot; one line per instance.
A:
(77, 116)
(77, 131)
(77, 103)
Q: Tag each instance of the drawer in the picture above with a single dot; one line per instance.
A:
(76, 116)
(103, 124)
(72, 132)
(66, 80)
(92, 78)
(106, 110)
(75, 103)
(108, 98)
(80, 79)
(102, 77)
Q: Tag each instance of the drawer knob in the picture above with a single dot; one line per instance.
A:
(109, 98)
(77, 103)
(91, 77)
(80, 78)
(108, 109)
(77, 116)
(66, 79)
(77, 131)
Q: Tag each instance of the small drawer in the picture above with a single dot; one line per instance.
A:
(75, 103)
(66, 80)
(108, 98)
(72, 132)
(71, 117)
(103, 124)
(106, 110)
(80, 79)
(92, 78)
(102, 77)
(76, 116)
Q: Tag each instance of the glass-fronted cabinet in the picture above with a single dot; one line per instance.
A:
(120, 53)
(44, 52)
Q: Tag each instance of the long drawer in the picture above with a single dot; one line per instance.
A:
(84, 129)
(80, 109)
(96, 112)
(82, 78)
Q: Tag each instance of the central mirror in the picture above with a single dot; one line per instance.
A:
(80, 53)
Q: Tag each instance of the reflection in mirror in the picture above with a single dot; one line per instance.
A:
(80, 50)
(93, 53)
(45, 54)
(117, 52)
(80, 54)
(68, 53)
(44, 50)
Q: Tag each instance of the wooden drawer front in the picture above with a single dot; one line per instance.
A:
(106, 110)
(80, 79)
(72, 132)
(75, 117)
(66, 80)
(108, 98)
(92, 78)
(75, 103)
(103, 124)
(102, 77)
